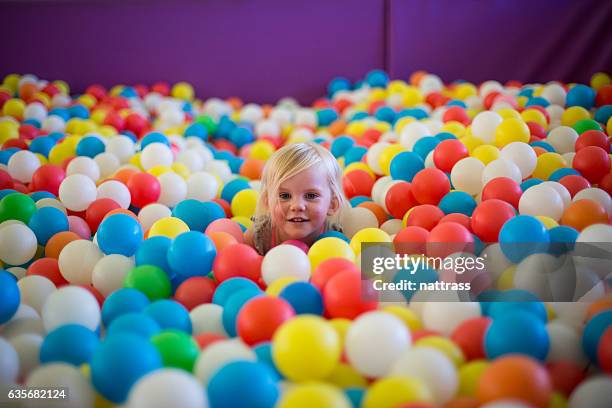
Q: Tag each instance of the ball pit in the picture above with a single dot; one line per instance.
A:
(124, 265)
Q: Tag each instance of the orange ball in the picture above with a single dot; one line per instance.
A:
(222, 239)
(462, 402)
(57, 242)
(539, 150)
(27, 91)
(252, 169)
(515, 377)
(416, 77)
(124, 175)
(378, 211)
(598, 306)
(235, 103)
(337, 127)
(121, 211)
(582, 213)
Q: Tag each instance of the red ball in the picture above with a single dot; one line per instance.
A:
(144, 189)
(459, 219)
(225, 205)
(28, 132)
(490, 99)
(604, 351)
(161, 88)
(97, 210)
(260, 317)
(503, 188)
(449, 238)
(489, 217)
(136, 124)
(4, 96)
(51, 89)
(469, 336)
(328, 269)
(430, 185)
(574, 183)
(237, 260)
(592, 162)
(565, 376)
(49, 268)
(195, 291)
(411, 240)
(456, 113)
(18, 143)
(606, 183)
(347, 296)
(604, 96)
(6, 181)
(20, 187)
(206, 339)
(592, 138)
(115, 120)
(48, 177)
(435, 99)
(535, 130)
(449, 152)
(357, 183)
(97, 91)
(426, 216)
(399, 199)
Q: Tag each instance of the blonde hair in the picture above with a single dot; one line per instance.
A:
(292, 159)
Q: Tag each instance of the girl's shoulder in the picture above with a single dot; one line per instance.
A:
(261, 233)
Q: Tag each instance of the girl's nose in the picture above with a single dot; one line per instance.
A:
(297, 204)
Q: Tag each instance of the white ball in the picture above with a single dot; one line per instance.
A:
(392, 226)
(60, 100)
(380, 187)
(563, 139)
(355, 219)
(281, 115)
(541, 200)
(35, 290)
(51, 202)
(554, 93)
(54, 123)
(221, 169)
(556, 113)
(202, 186)
(9, 363)
(251, 113)
(109, 273)
(81, 393)
(17, 244)
(501, 168)
(77, 261)
(444, 317)
(171, 117)
(156, 154)
(108, 164)
(489, 86)
(152, 101)
(306, 117)
(115, 190)
(207, 318)
(36, 111)
(374, 341)
(569, 157)
(535, 274)
(373, 156)
(71, 304)
(151, 213)
(522, 155)
(565, 344)
(594, 392)
(219, 354)
(27, 347)
(505, 404)
(484, 125)
(596, 233)
(167, 387)
(77, 191)
(191, 159)
(466, 175)
(596, 194)
(411, 133)
(84, 165)
(22, 165)
(433, 368)
(173, 189)
(430, 83)
(121, 146)
(561, 190)
(285, 261)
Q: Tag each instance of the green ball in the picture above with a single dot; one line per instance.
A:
(208, 123)
(586, 124)
(17, 206)
(150, 280)
(177, 348)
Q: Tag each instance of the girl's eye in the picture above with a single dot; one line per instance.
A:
(284, 196)
(311, 196)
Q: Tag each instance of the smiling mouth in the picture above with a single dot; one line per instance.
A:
(297, 220)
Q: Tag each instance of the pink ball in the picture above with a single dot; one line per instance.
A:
(227, 226)
(79, 226)
(298, 244)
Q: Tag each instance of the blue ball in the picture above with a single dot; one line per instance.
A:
(340, 145)
(603, 114)
(70, 343)
(128, 92)
(119, 362)
(593, 331)
(119, 234)
(130, 135)
(355, 395)
(526, 92)
(197, 214)
(122, 301)
(354, 154)
(503, 307)
(522, 236)
(263, 351)
(562, 239)
(233, 306)
(198, 130)
(304, 297)
(457, 202)
(359, 115)
(135, 323)
(191, 254)
(225, 128)
(530, 183)
(78, 111)
(479, 246)
(234, 186)
(425, 145)
(90, 146)
(580, 95)
(153, 137)
(241, 136)
(154, 251)
(544, 145)
(10, 296)
(46, 222)
(537, 101)
(61, 113)
(355, 201)
(405, 165)
(517, 332)
(32, 122)
(335, 234)
(57, 136)
(230, 286)
(243, 384)
(419, 275)
(6, 154)
(442, 136)
(169, 315)
(385, 114)
(377, 78)
(326, 116)
(223, 155)
(338, 84)
(42, 145)
(39, 195)
(456, 102)
(562, 172)
(7, 191)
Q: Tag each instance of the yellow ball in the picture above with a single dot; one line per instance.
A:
(8, 130)
(361, 166)
(471, 142)
(181, 170)
(14, 107)
(446, 346)
(547, 221)
(465, 90)
(599, 80)
(401, 123)
(486, 153)
(393, 391)
(382, 127)
(506, 279)
(135, 160)
(368, 235)
(169, 227)
(406, 315)
(330, 247)
(306, 348)
(534, 115)
(11, 81)
(261, 150)
(314, 394)
(412, 96)
(557, 400)
(116, 90)
(454, 127)
(88, 100)
(183, 90)
(547, 164)
(355, 129)
(43, 98)
(341, 326)
(573, 114)
(43, 160)
(159, 170)
(63, 86)
(276, 287)
(377, 94)
(387, 155)
(107, 131)
(522, 101)
(609, 126)
(396, 86)
(469, 377)
(507, 113)
(98, 115)
(345, 376)
(511, 130)
(244, 203)
(59, 153)
(244, 221)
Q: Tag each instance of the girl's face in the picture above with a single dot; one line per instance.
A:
(302, 204)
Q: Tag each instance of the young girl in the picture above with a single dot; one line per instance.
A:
(301, 195)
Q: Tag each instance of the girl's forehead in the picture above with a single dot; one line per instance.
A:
(312, 177)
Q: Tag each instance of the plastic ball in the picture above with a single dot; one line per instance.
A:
(18, 244)
(150, 280)
(582, 213)
(393, 391)
(489, 217)
(176, 348)
(255, 380)
(447, 153)
(357, 183)
(405, 165)
(484, 125)
(541, 200)
(547, 164)
(593, 332)
(10, 296)
(17, 206)
(169, 227)
(123, 301)
(71, 304)
(144, 189)
(314, 394)
(592, 162)
(244, 202)
(238, 260)
(430, 185)
(594, 392)
(285, 261)
(77, 261)
(466, 175)
(77, 192)
(457, 202)
(219, 354)
(169, 315)
(522, 236)
(469, 335)
(116, 191)
(260, 317)
(195, 291)
(70, 343)
(327, 248)
(191, 254)
(119, 234)
(501, 168)
(511, 130)
(22, 165)
(447, 238)
(346, 296)
(166, 387)
(595, 194)
(517, 332)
